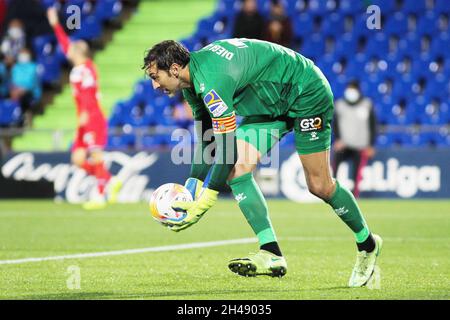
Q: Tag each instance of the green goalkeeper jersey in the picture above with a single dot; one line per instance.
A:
(253, 77)
(250, 78)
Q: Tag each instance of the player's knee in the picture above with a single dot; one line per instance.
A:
(320, 188)
(78, 158)
(97, 157)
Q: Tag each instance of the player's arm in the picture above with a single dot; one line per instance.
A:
(61, 36)
(218, 102)
(200, 165)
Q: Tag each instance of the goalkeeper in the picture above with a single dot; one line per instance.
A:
(276, 90)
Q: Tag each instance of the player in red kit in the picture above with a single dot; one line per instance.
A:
(92, 127)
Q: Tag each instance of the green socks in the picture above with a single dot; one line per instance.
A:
(345, 206)
(254, 206)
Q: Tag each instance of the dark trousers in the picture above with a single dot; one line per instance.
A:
(358, 160)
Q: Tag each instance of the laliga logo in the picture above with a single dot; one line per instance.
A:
(311, 123)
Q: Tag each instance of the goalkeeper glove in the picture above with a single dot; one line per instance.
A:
(195, 209)
(194, 186)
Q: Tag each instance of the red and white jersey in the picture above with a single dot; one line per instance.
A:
(83, 79)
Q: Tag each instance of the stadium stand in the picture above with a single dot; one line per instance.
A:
(404, 67)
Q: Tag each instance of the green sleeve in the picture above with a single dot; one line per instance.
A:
(200, 163)
(218, 99)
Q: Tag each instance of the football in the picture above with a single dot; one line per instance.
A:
(162, 199)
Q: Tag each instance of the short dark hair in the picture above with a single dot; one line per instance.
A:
(165, 54)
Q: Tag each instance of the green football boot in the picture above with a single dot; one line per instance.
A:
(365, 265)
(260, 263)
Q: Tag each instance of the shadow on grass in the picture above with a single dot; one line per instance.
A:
(209, 294)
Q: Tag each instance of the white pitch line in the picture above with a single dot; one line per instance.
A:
(134, 251)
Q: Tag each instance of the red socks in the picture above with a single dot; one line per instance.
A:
(99, 172)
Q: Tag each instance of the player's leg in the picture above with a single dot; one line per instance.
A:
(254, 139)
(101, 173)
(250, 198)
(96, 140)
(313, 145)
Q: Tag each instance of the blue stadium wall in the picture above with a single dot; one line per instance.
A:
(402, 173)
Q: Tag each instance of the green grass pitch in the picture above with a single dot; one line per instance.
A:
(320, 250)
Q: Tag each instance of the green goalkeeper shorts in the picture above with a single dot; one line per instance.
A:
(312, 132)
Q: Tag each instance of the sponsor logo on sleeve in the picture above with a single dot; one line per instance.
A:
(314, 123)
(214, 103)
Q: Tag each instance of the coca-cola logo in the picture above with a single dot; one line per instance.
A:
(74, 185)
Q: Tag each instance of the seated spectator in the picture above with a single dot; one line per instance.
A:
(25, 85)
(279, 27)
(4, 78)
(249, 23)
(13, 42)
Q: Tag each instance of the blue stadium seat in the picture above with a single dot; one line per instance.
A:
(401, 116)
(356, 66)
(440, 44)
(48, 3)
(43, 45)
(313, 46)
(333, 25)
(143, 91)
(409, 44)
(292, 7)
(303, 25)
(108, 9)
(441, 6)
(433, 116)
(90, 29)
(442, 138)
(378, 45)
(427, 24)
(321, 7)
(10, 113)
(387, 7)
(438, 86)
(346, 45)
(228, 7)
(121, 141)
(416, 139)
(351, 6)
(384, 140)
(338, 86)
(416, 6)
(360, 25)
(396, 24)
(49, 69)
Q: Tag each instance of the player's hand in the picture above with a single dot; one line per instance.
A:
(194, 186)
(338, 145)
(369, 152)
(195, 209)
(52, 16)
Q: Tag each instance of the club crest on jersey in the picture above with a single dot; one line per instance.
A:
(214, 103)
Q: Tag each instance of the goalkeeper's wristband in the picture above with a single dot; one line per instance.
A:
(194, 186)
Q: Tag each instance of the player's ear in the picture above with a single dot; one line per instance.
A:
(175, 70)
